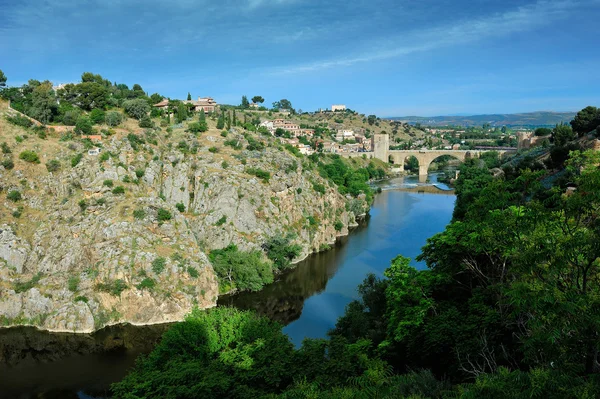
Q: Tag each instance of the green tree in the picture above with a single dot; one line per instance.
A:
(586, 120)
(137, 108)
(90, 95)
(221, 121)
(234, 354)
(43, 103)
(97, 116)
(562, 134)
(542, 131)
(83, 125)
(258, 100)
(241, 270)
(245, 104)
(2, 79)
(371, 119)
(189, 96)
(113, 118)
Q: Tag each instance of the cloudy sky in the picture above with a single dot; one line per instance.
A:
(389, 57)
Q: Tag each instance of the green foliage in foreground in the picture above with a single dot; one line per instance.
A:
(508, 308)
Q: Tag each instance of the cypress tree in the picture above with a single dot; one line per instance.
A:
(221, 122)
(202, 115)
(234, 119)
(228, 120)
(189, 96)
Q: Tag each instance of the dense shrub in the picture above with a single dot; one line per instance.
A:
(163, 215)
(158, 265)
(118, 190)
(261, 174)
(14, 196)
(53, 165)
(29, 156)
(241, 270)
(137, 108)
(113, 118)
(281, 251)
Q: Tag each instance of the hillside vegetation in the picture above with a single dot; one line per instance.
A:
(508, 307)
(138, 232)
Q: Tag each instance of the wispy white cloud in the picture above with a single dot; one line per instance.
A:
(521, 19)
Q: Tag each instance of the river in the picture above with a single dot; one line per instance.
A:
(307, 300)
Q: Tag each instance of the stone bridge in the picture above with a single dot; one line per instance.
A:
(381, 145)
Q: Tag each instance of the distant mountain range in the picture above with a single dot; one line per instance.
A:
(529, 119)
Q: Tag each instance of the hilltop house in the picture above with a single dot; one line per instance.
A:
(208, 104)
(338, 107)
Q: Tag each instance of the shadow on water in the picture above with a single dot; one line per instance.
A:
(40, 364)
(284, 299)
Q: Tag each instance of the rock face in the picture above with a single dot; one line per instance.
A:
(77, 259)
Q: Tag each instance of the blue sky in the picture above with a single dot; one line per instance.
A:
(389, 57)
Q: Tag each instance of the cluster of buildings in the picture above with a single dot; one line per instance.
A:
(292, 127)
(207, 104)
(350, 141)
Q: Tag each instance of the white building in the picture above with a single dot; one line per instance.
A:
(338, 107)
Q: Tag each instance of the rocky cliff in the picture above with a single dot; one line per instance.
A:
(123, 235)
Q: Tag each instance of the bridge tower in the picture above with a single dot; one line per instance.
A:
(381, 146)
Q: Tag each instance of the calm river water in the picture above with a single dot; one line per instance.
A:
(308, 300)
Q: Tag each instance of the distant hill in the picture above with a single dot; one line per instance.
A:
(529, 119)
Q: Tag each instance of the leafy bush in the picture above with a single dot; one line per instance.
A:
(53, 165)
(73, 283)
(213, 150)
(8, 164)
(233, 143)
(14, 196)
(29, 156)
(197, 127)
(318, 187)
(280, 250)
(105, 156)
(19, 120)
(70, 117)
(27, 285)
(97, 116)
(242, 270)
(114, 287)
(158, 265)
(146, 284)
(5, 148)
(338, 225)
(146, 122)
(139, 214)
(76, 159)
(137, 108)
(193, 272)
(163, 215)
(180, 207)
(221, 221)
(107, 183)
(113, 118)
(139, 173)
(84, 125)
(118, 190)
(261, 174)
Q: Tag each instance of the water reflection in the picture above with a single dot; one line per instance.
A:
(309, 299)
(65, 365)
